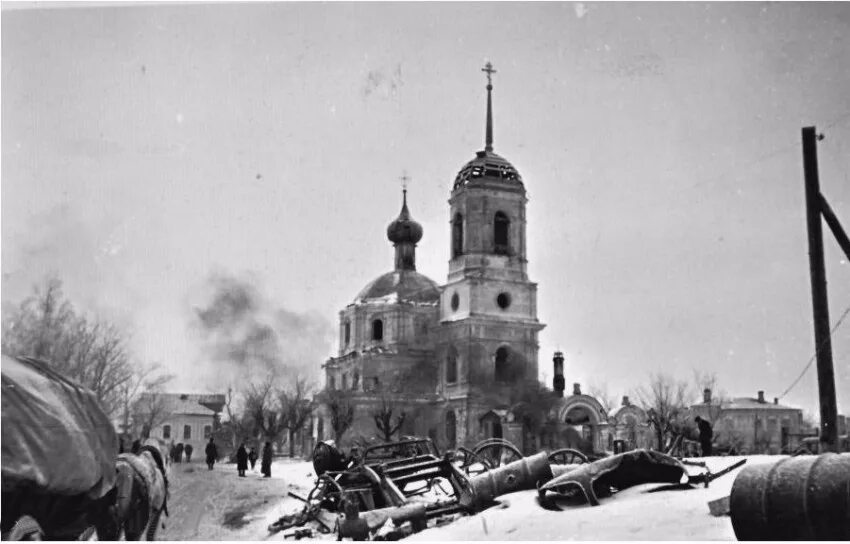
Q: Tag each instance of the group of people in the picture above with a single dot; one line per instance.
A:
(243, 457)
(176, 452)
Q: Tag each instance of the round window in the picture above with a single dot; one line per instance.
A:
(503, 300)
(455, 302)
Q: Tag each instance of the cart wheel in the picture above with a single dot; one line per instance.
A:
(567, 456)
(326, 494)
(470, 463)
(497, 452)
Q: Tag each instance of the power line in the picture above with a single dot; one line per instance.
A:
(814, 355)
(749, 163)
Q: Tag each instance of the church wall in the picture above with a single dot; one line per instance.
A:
(479, 206)
(484, 294)
(402, 323)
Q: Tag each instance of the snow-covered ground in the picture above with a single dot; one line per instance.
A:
(219, 505)
(632, 514)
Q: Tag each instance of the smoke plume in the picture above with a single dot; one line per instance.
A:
(247, 335)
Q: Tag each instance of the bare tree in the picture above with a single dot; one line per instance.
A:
(37, 328)
(146, 379)
(149, 411)
(296, 407)
(599, 391)
(383, 417)
(263, 409)
(342, 413)
(234, 422)
(707, 381)
(665, 401)
(90, 351)
(532, 403)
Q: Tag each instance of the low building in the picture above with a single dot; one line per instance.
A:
(752, 425)
(176, 418)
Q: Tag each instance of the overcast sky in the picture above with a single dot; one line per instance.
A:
(147, 148)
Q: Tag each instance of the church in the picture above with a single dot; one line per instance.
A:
(458, 360)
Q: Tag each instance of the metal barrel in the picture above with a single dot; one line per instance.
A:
(797, 498)
(521, 474)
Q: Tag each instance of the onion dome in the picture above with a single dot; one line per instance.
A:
(489, 165)
(404, 230)
(401, 286)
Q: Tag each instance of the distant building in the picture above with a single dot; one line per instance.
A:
(179, 417)
(629, 423)
(752, 425)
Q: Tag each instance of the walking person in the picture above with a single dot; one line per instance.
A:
(241, 460)
(705, 435)
(188, 450)
(212, 453)
(252, 457)
(266, 466)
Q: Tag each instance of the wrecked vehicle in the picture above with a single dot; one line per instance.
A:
(389, 491)
(602, 478)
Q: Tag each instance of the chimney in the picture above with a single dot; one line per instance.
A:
(576, 389)
(761, 397)
(626, 400)
(558, 381)
(706, 395)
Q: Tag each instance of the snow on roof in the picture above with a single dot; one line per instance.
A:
(749, 403)
(179, 403)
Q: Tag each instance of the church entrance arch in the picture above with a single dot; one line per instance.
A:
(582, 418)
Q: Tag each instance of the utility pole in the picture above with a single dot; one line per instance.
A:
(820, 306)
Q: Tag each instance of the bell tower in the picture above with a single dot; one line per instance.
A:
(488, 307)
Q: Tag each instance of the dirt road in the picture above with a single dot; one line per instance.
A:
(218, 504)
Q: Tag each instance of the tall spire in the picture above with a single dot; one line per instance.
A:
(405, 213)
(488, 142)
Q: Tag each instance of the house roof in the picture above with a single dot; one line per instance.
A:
(177, 403)
(749, 403)
(753, 403)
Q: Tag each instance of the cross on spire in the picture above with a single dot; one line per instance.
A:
(404, 181)
(490, 71)
(488, 137)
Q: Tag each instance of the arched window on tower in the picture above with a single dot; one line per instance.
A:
(457, 235)
(501, 227)
(347, 332)
(377, 330)
(501, 373)
(451, 429)
(451, 365)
